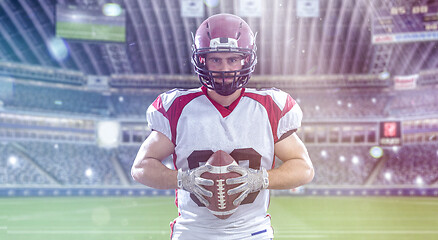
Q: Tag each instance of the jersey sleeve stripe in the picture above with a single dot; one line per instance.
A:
(158, 104)
(290, 102)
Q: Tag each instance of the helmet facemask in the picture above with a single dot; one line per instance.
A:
(216, 80)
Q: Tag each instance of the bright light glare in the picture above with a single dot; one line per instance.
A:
(89, 172)
(57, 48)
(342, 159)
(13, 160)
(323, 153)
(108, 133)
(355, 160)
(388, 176)
(419, 181)
(376, 152)
(111, 9)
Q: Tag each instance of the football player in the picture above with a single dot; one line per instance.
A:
(253, 126)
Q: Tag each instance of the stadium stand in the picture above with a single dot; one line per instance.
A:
(17, 169)
(410, 165)
(341, 165)
(70, 164)
(28, 97)
(86, 164)
(132, 105)
(33, 153)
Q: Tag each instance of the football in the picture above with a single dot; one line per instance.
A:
(221, 204)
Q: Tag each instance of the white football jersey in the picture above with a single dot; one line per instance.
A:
(247, 130)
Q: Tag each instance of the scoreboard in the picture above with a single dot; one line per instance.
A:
(405, 21)
(390, 133)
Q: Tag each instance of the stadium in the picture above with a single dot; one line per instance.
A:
(77, 76)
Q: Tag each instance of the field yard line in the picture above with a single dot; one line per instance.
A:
(365, 231)
(299, 236)
(78, 211)
(283, 234)
(77, 232)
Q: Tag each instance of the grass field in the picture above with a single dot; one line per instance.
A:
(90, 31)
(148, 218)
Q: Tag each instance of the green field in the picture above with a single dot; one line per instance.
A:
(90, 31)
(148, 218)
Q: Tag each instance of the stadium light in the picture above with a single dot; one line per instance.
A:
(12, 160)
(376, 152)
(89, 172)
(211, 3)
(341, 158)
(111, 9)
(388, 176)
(355, 160)
(323, 153)
(57, 48)
(419, 181)
(108, 134)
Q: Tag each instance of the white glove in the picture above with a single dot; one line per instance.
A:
(192, 182)
(252, 180)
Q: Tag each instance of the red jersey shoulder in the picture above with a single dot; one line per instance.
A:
(272, 95)
(167, 99)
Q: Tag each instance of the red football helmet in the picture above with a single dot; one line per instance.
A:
(224, 33)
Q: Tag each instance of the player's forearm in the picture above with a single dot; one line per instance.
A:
(291, 174)
(153, 173)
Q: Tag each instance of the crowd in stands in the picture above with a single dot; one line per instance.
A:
(39, 162)
(341, 165)
(60, 100)
(132, 105)
(414, 103)
(341, 104)
(410, 164)
(316, 104)
(16, 169)
(65, 163)
(86, 164)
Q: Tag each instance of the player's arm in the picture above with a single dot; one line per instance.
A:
(295, 171)
(148, 168)
(297, 168)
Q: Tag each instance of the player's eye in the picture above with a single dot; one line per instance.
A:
(233, 60)
(215, 60)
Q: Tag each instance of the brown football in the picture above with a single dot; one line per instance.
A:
(221, 204)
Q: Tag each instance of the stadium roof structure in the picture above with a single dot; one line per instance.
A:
(158, 39)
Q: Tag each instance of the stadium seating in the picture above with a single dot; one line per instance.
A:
(410, 165)
(341, 165)
(59, 100)
(86, 164)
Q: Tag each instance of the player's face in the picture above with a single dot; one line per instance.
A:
(224, 62)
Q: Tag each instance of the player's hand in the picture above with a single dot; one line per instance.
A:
(252, 180)
(192, 182)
